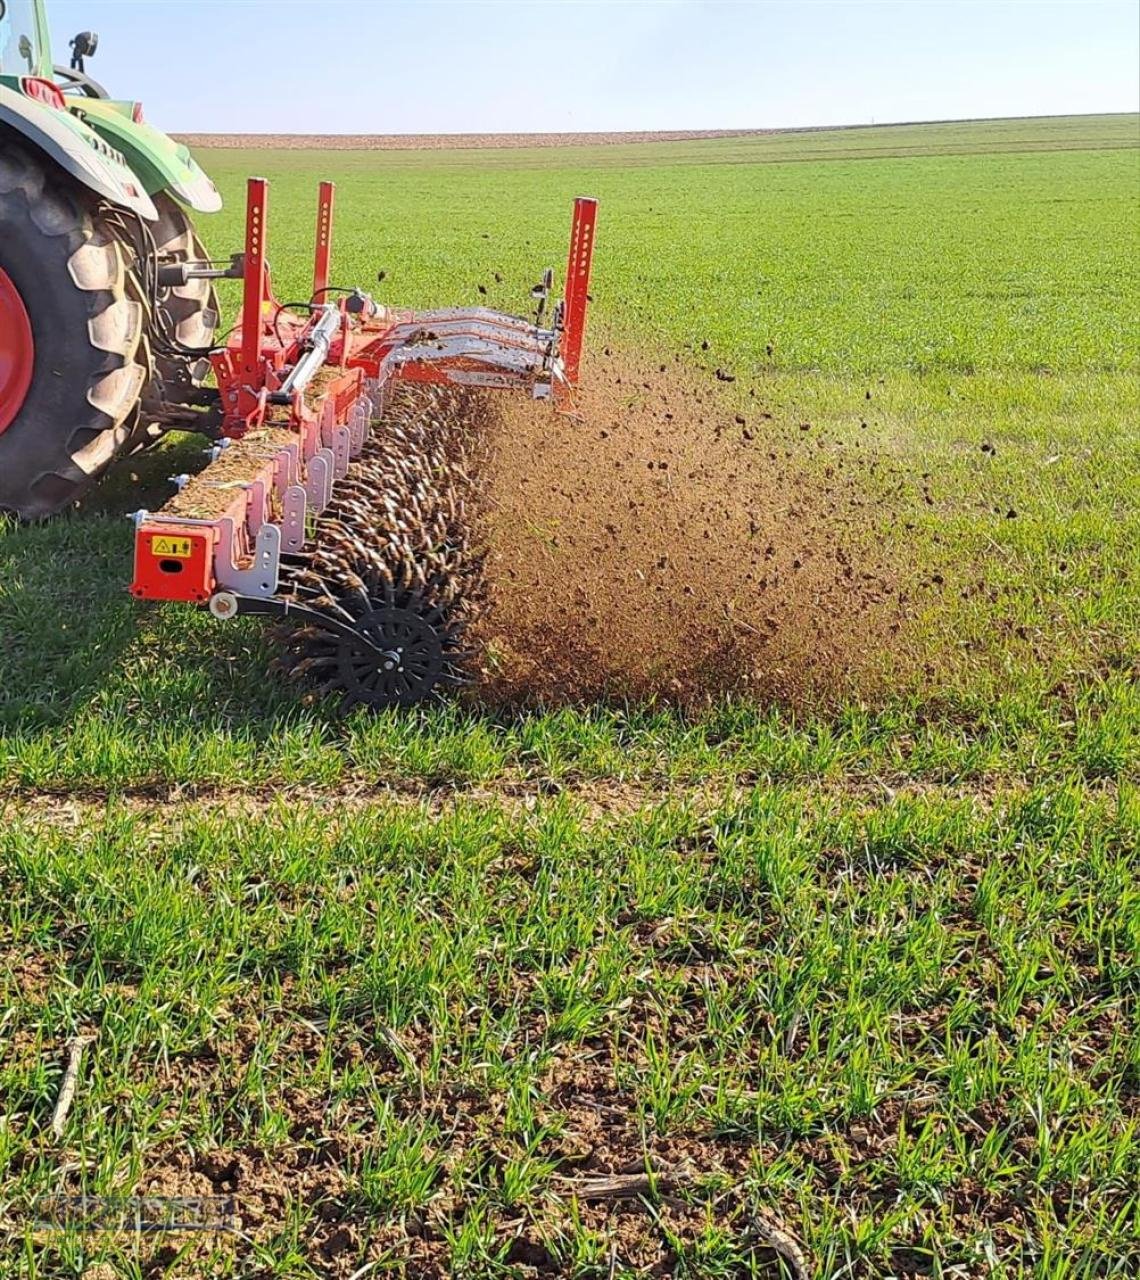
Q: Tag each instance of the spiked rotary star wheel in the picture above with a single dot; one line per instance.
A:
(394, 648)
(391, 568)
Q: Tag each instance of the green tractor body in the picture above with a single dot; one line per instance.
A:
(95, 358)
(136, 153)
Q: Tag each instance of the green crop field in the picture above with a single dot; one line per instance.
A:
(844, 990)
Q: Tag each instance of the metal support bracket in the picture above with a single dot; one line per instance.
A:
(256, 507)
(260, 579)
(319, 480)
(342, 451)
(359, 422)
(338, 438)
(295, 504)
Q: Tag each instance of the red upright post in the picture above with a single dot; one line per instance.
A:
(577, 286)
(324, 241)
(256, 274)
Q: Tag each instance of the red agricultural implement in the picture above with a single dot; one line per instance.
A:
(298, 399)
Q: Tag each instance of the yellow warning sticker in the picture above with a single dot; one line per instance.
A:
(178, 548)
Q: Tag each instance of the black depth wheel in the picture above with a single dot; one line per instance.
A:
(409, 648)
(410, 671)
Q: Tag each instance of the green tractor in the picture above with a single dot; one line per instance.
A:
(102, 347)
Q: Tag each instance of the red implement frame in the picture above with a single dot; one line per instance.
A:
(324, 241)
(578, 286)
(298, 393)
(256, 277)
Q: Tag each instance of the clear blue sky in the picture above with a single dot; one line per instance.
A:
(333, 66)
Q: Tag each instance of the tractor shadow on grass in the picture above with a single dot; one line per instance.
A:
(74, 644)
(85, 663)
(65, 617)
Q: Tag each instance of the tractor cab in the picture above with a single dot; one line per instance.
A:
(115, 128)
(24, 47)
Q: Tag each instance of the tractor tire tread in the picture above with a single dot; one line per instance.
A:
(74, 278)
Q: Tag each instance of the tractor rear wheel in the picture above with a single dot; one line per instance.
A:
(190, 311)
(72, 363)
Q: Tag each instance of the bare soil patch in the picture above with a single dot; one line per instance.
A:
(659, 545)
(448, 141)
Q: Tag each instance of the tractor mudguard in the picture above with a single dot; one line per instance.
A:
(77, 150)
(161, 163)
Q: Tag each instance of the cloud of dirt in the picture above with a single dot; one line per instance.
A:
(658, 545)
